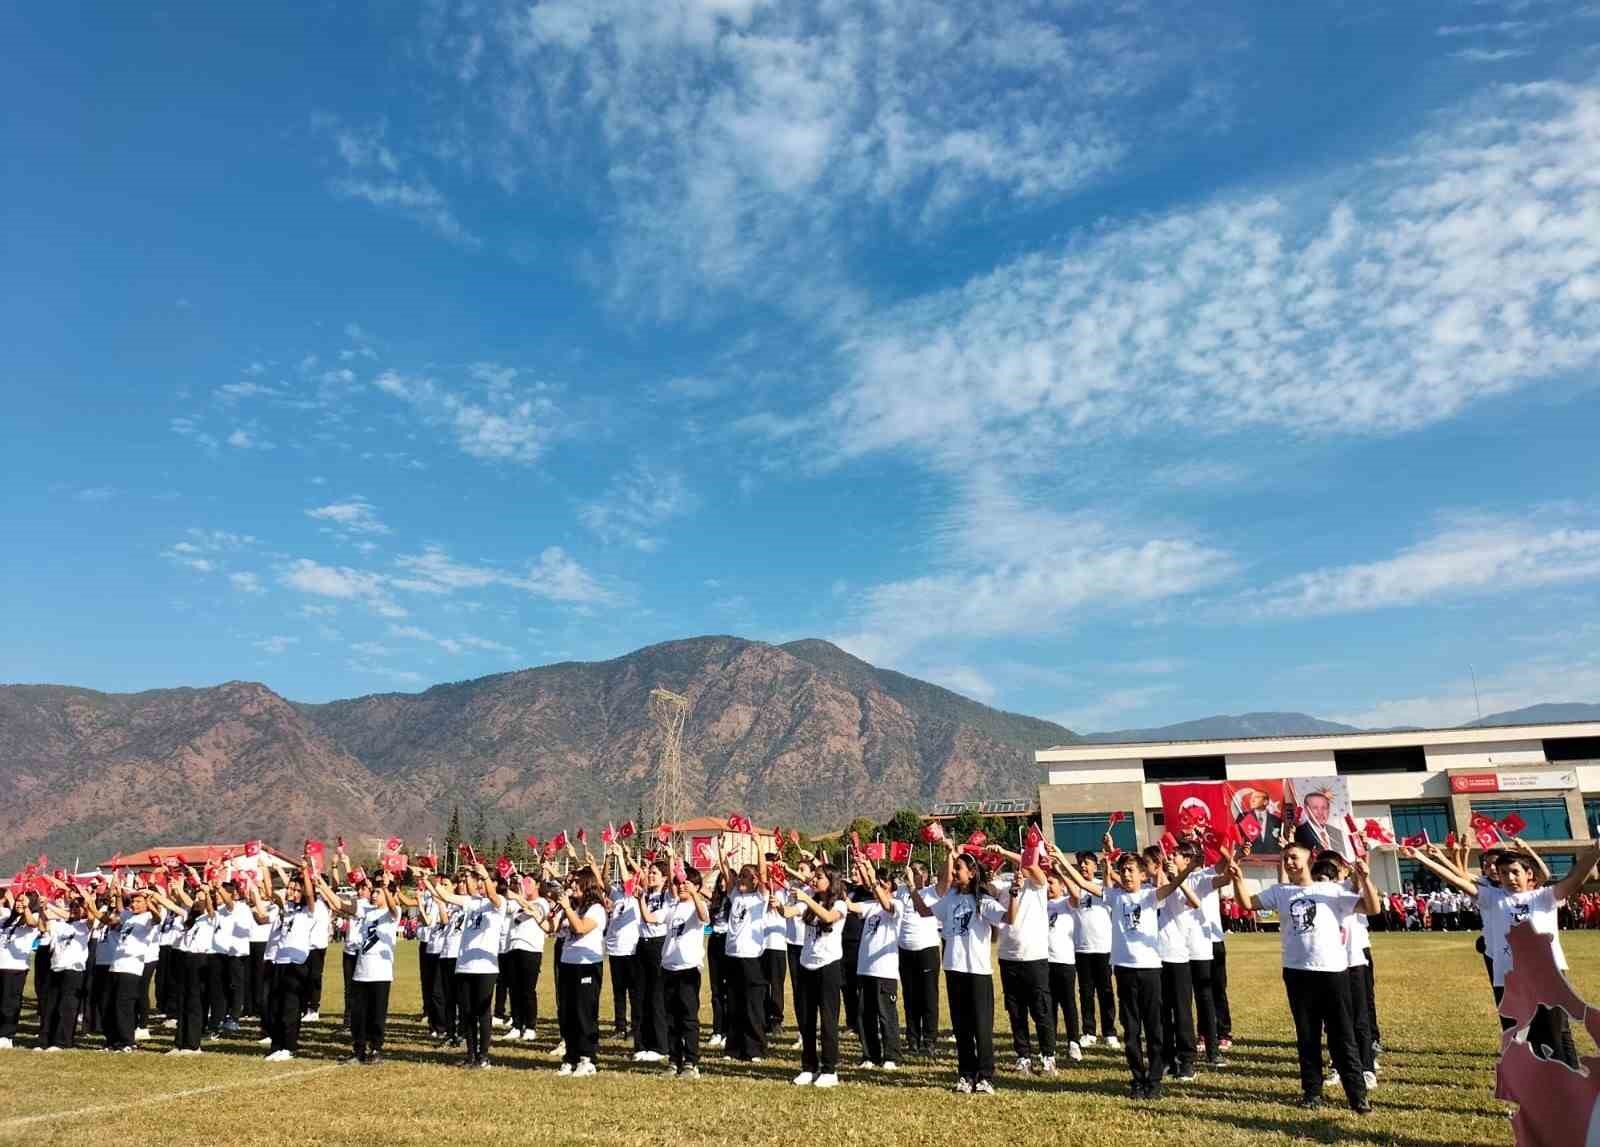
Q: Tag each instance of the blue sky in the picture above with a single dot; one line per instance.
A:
(1096, 361)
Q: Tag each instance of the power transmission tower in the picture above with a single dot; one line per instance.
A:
(669, 711)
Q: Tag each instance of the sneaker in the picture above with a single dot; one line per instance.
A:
(169, 1024)
(560, 1050)
(827, 1079)
(1047, 1065)
(1216, 1061)
(529, 1035)
(804, 1079)
(1153, 1091)
(5, 1043)
(755, 1059)
(564, 1069)
(128, 1049)
(1075, 1053)
(1362, 1106)
(264, 1041)
(279, 1056)
(514, 1033)
(1089, 1040)
(347, 1059)
(1332, 1076)
(1377, 1047)
(690, 1073)
(229, 1025)
(310, 1017)
(718, 1041)
(1225, 1044)
(500, 1022)
(1186, 1075)
(1023, 1064)
(648, 1056)
(372, 1060)
(144, 1033)
(890, 1065)
(963, 1086)
(1310, 1102)
(865, 1065)
(983, 1087)
(1370, 1079)
(1113, 1043)
(670, 1070)
(585, 1067)
(481, 1064)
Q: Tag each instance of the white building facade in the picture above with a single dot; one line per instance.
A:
(1430, 780)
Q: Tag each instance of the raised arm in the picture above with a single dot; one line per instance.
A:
(1532, 854)
(1371, 902)
(1572, 883)
(1442, 871)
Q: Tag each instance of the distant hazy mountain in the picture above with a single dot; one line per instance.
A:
(1540, 714)
(1223, 727)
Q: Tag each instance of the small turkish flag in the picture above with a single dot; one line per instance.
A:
(549, 850)
(608, 835)
(1416, 840)
(626, 830)
(560, 840)
(583, 836)
(899, 852)
(533, 841)
(1513, 825)
(1116, 818)
(468, 854)
(794, 836)
(778, 876)
(663, 833)
(358, 876)
(1487, 838)
(874, 850)
(503, 866)
(1252, 830)
(932, 831)
(395, 862)
(392, 844)
(978, 837)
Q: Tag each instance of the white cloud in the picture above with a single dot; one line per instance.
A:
(1515, 687)
(554, 575)
(964, 679)
(275, 645)
(1464, 268)
(454, 645)
(246, 582)
(747, 141)
(248, 438)
(636, 505)
(191, 428)
(341, 583)
(371, 649)
(388, 673)
(1469, 557)
(354, 515)
(496, 419)
(201, 550)
(95, 494)
(239, 391)
(1490, 55)
(374, 173)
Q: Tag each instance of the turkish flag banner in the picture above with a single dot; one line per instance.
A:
(1513, 825)
(502, 867)
(932, 831)
(1116, 818)
(468, 854)
(627, 830)
(549, 850)
(702, 852)
(392, 844)
(1169, 844)
(899, 852)
(778, 876)
(1417, 840)
(358, 876)
(874, 850)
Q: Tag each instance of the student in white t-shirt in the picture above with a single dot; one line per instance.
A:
(1094, 957)
(820, 906)
(1133, 894)
(17, 940)
(1177, 913)
(138, 927)
(919, 960)
(794, 930)
(682, 954)
(477, 960)
(622, 950)
(1313, 915)
(579, 985)
(520, 962)
(291, 962)
(197, 922)
(745, 948)
(67, 925)
(968, 914)
(1024, 953)
(374, 925)
(1063, 931)
(1518, 899)
(878, 967)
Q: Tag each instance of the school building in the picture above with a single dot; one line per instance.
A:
(1430, 780)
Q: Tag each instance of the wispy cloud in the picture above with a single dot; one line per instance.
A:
(354, 515)
(374, 173)
(246, 582)
(554, 575)
(1465, 267)
(744, 141)
(1471, 557)
(276, 645)
(249, 438)
(455, 645)
(1106, 711)
(1497, 691)
(202, 550)
(636, 505)
(193, 429)
(343, 584)
(494, 417)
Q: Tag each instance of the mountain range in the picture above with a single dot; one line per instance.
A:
(801, 733)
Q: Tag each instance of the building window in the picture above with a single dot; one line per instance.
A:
(1418, 878)
(1404, 759)
(1081, 832)
(1186, 769)
(1547, 819)
(1572, 749)
(1410, 819)
(1591, 813)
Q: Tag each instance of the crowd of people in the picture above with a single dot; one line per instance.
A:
(1122, 949)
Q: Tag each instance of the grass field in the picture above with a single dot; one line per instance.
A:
(1438, 1025)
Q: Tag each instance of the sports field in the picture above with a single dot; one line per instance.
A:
(1439, 1034)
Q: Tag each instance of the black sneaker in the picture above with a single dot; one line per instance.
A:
(1153, 1091)
(373, 1060)
(1361, 1106)
(348, 1058)
(1311, 1102)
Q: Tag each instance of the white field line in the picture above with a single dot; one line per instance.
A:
(144, 1100)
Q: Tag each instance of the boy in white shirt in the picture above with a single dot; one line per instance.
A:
(1313, 915)
(878, 967)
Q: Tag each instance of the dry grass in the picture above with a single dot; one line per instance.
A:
(1435, 1009)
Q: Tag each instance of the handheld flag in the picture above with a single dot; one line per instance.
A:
(899, 852)
(502, 867)
(583, 837)
(559, 840)
(627, 830)
(395, 862)
(608, 835)
(932, 831)
(533, 841)
(874, 850)
(1116, 818)
(392, 844)
(978, 837)
(1513, 825)
(664, 833)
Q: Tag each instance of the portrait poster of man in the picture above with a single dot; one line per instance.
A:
(1257, 811)
(1321, 805)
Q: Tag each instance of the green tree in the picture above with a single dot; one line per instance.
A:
(480, 839)
(452, 837)
(904, 825)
